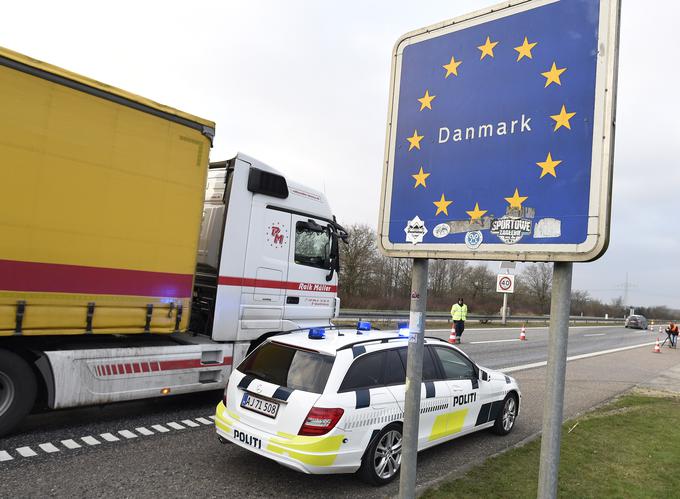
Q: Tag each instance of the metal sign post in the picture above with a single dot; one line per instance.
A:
(553, 403)
(414, 376)
(500, 147)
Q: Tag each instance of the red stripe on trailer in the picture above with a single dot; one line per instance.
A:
(145, 367)
(154, 366)
(171, 365)
(266, 283)
(137, 368)
(108, 370)
(59, 278)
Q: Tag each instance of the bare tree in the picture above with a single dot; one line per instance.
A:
(537, 277)
(357, 261)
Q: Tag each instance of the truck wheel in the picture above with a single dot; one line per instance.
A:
(18, 388)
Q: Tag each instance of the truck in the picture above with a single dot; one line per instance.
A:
(130, 266)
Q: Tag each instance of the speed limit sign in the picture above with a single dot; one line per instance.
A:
(505, 283)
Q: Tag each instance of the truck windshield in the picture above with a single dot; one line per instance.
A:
(289, 367)
(312, 248)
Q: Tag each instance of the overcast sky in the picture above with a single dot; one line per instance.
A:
(303, 86)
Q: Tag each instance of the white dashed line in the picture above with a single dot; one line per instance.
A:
(595, 334)
(71, 444)
(109, 437)
(48, 447)
(493, 341)
(90, 440)
(26, 452)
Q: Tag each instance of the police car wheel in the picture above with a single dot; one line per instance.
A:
(17, 390)
(505, 421)
(382, 460)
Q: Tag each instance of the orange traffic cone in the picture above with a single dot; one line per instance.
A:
(657, 347)
(452, 336)
(523, 334)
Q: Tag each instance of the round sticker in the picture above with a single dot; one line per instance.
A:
(441, 230)
(473, 239)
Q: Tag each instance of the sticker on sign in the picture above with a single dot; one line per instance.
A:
(500, 135)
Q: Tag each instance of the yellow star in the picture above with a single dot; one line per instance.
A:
(426, 100)
(524, 50)
(420, 178)
(415, 140)
(562, 119)
(549, 165)
(553, 76)
(516, 200)
(487, 48)
(452, 67)
(442, 206)
(476, 214)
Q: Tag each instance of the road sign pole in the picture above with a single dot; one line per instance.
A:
(505, 308)
(414, 376)
(554, 384)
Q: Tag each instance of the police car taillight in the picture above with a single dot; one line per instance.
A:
(320, 421)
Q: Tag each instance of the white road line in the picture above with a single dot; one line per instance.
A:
(160, 428)
(26, 452)
(491, 329)
(575, 357)
(492, 341)
(127, 434)
(109, 437)
(595, 334)
(71, 444)
(90, 440)
(212, 417)
(190, 423)
(204, 421)
(144, 431)
(175, 426)
(5, 456)
(48, 447)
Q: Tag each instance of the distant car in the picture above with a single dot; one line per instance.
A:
(636, 321)
(323, 401)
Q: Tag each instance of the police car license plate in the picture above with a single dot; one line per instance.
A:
(256, 404)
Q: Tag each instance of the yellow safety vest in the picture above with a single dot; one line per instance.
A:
(459, 313)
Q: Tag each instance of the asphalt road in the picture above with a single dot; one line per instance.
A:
(186, 460)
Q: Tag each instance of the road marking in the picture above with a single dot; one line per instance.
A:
(190, 423)
(144, 431)
(127, 434)
(204, 421)
(595, 334)
(90, 440)
(574, 357)
(71, 444)
(109, 437)
(160, 428)
(5, 456)
(492, 341)
(48, 447)
(175, 426)
(212, 417)
(490, 329)
(26, 452)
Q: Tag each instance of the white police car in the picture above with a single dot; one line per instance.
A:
(331, 401)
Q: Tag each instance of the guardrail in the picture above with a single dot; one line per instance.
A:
(403, 315)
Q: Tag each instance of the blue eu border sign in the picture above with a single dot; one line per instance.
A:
(500, 135)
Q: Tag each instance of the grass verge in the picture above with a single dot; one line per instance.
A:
(629, 448)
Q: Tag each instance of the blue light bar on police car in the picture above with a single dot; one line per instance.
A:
(403, 328)
(317, 333)
(363, 326)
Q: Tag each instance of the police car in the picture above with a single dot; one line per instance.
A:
(332, 401)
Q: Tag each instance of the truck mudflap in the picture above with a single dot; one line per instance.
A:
(99, 376)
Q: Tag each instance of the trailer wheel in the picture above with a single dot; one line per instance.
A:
(18, 388)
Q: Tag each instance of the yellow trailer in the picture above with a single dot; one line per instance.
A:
(101, 196)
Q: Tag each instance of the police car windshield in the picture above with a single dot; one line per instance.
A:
(289, 367)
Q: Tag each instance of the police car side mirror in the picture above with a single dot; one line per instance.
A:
(483, 375)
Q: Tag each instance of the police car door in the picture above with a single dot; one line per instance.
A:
(434, 396)
(466, 397)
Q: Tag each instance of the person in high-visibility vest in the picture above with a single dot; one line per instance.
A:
(672, 332)
(459, 316)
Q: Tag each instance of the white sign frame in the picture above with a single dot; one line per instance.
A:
(501, 288)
